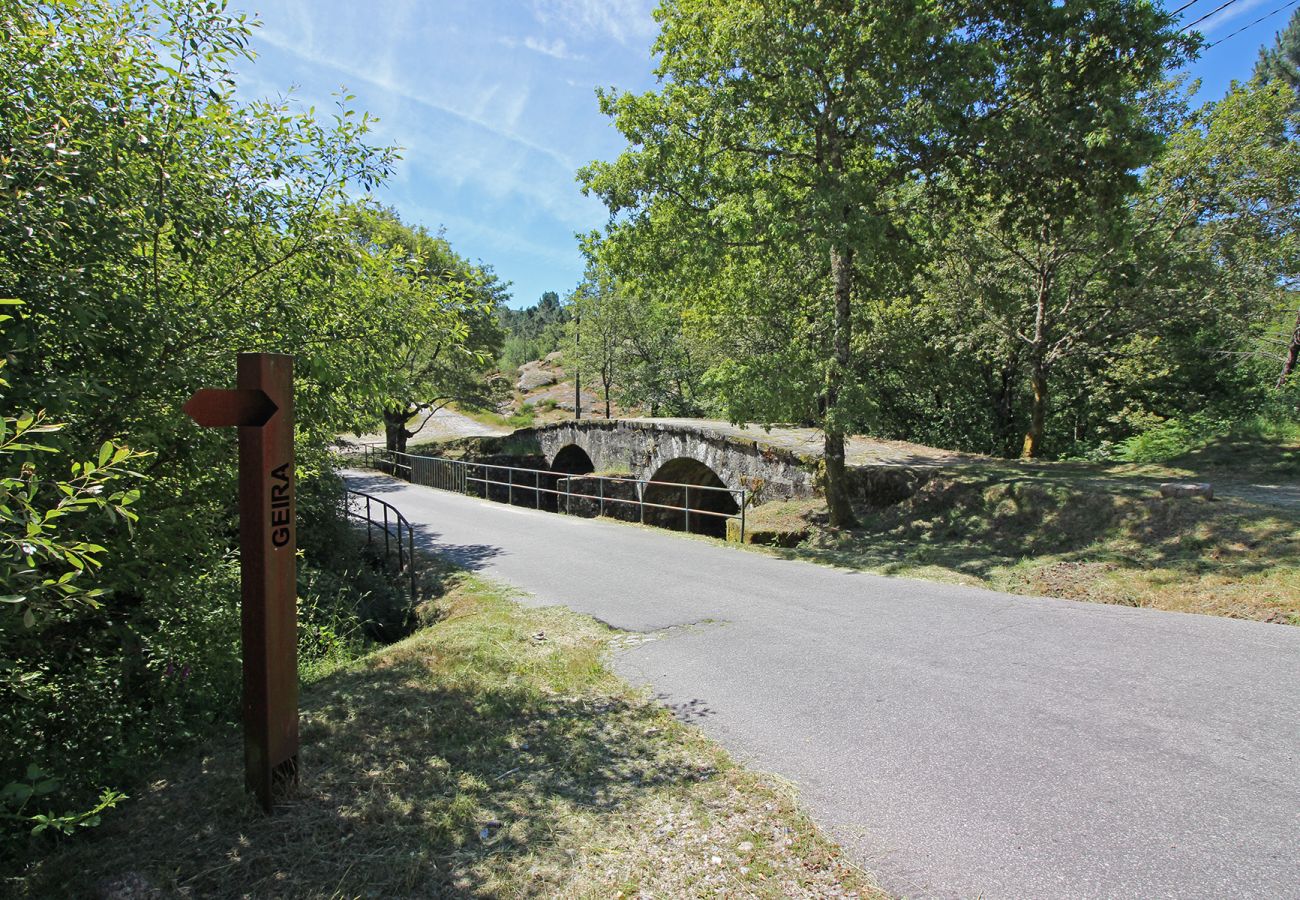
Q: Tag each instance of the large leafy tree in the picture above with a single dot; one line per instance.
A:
(1235, 166)
(1049, 252)
(440, 332)
(154, 224)
(778, 142)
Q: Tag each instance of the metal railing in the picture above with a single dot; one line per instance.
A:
(458, 475)
(382, 516)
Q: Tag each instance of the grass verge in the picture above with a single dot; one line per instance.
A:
(1046, 534)
(491, 754)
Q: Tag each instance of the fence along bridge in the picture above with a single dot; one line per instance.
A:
(681, 506)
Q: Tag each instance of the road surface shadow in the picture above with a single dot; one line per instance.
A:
(469, 556)
(373, 483)
(474, 557)
(689, 711)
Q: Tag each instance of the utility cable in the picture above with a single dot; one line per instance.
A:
(1252, 24)
(1183, 7)
(1218, 9)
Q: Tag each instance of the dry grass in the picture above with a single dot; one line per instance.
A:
(1074, 538)
(490, 755)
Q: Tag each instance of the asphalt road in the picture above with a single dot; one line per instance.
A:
(958, 742)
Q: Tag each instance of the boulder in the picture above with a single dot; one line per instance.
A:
(532, 379)
(1180, 489)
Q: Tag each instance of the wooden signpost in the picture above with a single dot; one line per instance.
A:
(262, 407)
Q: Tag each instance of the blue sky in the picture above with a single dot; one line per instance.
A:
(493, 103)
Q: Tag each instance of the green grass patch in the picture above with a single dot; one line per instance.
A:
(526, 417)
(491, 754)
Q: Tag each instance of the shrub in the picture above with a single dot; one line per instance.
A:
(1170, 439)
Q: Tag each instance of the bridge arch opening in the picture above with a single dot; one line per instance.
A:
(681, 478)
(572, 460)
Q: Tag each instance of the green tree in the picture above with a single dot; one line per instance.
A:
(533, 332)
(1049, 249)
(662, 360)
(441, 334)
(1234, 167)
(154, 224)
(598, 327)
(1281, 62)
(785, 130)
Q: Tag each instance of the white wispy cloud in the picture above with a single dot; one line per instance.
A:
(382, 78)
(1219, 19)
(556, 49)
(623, 20)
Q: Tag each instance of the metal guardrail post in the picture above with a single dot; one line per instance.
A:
(537, 490)
(510, 494)
(687, 509)
(744, 501)
(640, 497)
(601, 482)
(405, 547)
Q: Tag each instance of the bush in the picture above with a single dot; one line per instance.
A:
(525, 418)
(86, 705)
(1170, 439)
(517, 350)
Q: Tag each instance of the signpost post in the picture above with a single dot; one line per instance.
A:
(261, 406)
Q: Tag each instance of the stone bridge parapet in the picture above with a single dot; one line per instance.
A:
(642, 448)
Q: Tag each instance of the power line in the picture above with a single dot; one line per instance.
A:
(1218, 9)
(1252, 24)
(1183, 7)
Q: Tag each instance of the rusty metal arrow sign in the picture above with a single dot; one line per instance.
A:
(215, 408)
(262, 407)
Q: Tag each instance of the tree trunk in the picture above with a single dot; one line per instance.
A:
(607, 401)
(1033, 446)
(1292, 353)
(577, 369)
(395, 433)
(837, 495)
(1004, 432)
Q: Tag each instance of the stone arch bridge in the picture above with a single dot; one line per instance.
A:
(661, 465)
(780, 463)
(667, 450)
